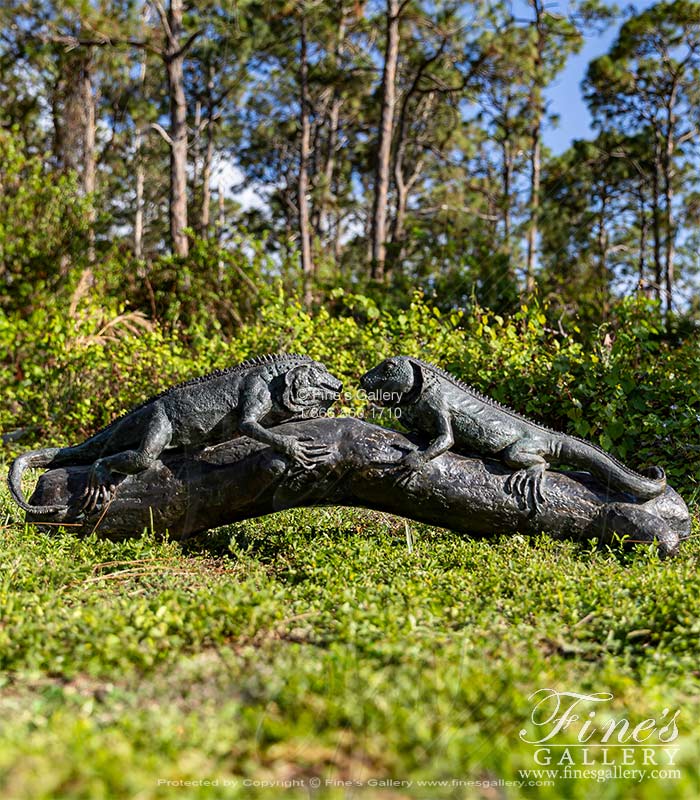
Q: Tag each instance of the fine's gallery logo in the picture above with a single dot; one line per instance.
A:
(576, 729)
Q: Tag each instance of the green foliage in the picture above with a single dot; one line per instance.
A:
(335, 643)
(626, 387)
(646, 87)
(591, 226)
(42, 225)
(213, 288)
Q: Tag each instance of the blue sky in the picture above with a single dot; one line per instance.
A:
(566, 99)
(565, 93)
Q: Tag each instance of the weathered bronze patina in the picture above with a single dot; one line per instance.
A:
(468, 464)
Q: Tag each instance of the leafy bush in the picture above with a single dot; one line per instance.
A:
(213, 288)
(627, 389)
(42, 225)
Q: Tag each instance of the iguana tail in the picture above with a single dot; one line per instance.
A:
(50, 456)
(610, 471)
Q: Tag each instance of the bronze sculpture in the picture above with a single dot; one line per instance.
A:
(205, 484)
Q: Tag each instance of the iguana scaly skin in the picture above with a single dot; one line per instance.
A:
(244, 399)
(454, 415)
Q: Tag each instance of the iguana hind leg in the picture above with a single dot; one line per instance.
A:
(102, 481)
(527, 482)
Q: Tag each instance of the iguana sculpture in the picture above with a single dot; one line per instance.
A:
(455, 416)
(244, 399)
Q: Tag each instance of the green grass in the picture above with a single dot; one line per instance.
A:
(318, 644)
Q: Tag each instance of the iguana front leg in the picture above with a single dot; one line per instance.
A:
(415, 460)
(256, 403)
(526, 483)
(102, 483)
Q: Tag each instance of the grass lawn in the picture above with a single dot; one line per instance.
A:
(343, 649)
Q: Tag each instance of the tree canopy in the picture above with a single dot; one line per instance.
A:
(390, 145)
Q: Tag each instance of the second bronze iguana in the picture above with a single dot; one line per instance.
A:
(456, 416)
(244, 399)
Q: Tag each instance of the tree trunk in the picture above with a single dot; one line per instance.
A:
(329, 167)
(337, 238)
(397, 233)
(307, 267)
(206, 188)
(386, 130)
(140, 183)
(313, 172)
(188, 492)
(603, 243)
(174, 59)
(57, 144)
(535, 167)
(332, 145)
(89, 100)
(404, 184)
(400, 215)
(537, 107)
(140, 174)
(643, 231)
(507, 200)
(221, 222)
(195, 145)
(656, 219)
(208, 157)
(668, 200)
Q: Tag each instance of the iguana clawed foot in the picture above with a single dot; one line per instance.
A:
(305, 452)
(409, 465)
(526, 486)
(100, 488)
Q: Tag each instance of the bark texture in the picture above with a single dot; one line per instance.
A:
(307, 266)
(386, 132)
(174, 60)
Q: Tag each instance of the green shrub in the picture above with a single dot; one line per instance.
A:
(214, 290)
(627, 389)
(42, 226)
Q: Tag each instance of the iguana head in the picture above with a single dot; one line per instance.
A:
(310, 387)
(390, 382)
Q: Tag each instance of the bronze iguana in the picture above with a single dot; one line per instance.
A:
(243, 399)
(433, 402)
